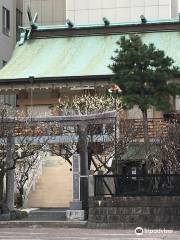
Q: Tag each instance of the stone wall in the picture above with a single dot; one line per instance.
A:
(151, 212)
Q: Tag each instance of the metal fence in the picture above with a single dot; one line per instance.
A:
(137, 185)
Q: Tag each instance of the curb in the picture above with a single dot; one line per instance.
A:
(43, 224)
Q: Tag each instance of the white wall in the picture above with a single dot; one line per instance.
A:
(174, 8)
(92, 11)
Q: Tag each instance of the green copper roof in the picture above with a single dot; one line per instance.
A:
(77, 56)
(92, 25)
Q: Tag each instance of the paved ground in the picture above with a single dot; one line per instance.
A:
(80, 234)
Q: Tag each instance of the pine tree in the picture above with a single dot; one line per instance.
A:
(145, 76)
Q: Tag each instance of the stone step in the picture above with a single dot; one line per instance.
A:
(47, 215)
(54, 187)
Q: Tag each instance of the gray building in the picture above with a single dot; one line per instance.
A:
(11, 12)
(49, 11)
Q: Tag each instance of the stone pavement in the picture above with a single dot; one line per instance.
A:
(80, 234)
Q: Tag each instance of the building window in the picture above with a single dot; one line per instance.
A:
(8, 99)
(18, 23)
(6, 21)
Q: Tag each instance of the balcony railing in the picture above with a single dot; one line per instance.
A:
(137, 185)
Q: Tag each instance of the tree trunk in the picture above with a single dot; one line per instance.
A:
(145, 127)
(146, 136)
(10, 175)
(20, 197)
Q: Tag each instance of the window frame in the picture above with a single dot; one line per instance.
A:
(19, 22)
(6, 21)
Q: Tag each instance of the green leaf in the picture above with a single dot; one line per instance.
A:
(144, 73)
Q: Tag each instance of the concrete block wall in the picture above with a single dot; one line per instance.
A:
(153, 212)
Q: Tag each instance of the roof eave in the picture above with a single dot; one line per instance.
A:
(46, 32)
(66, 79)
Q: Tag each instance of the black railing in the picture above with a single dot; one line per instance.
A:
(137, 185)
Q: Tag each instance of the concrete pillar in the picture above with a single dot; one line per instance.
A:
(91, 186)
(80, 196)
(76, 204)
(76, 213)
(83, 151)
